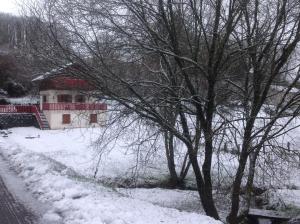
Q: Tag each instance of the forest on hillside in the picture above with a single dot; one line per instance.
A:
(17, 63)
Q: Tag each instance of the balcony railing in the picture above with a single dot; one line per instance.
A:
(32, 109)
(74, 106)
(17, 109)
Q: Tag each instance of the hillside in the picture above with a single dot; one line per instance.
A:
(17, 62)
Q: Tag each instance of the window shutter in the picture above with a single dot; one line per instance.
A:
(66, 118)
(79, 98)
(93, 118)
(64, 98)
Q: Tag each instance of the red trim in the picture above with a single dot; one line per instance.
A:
(16, 109)
(74, 106)
(65, 83)
(31, 109)
(36, 112)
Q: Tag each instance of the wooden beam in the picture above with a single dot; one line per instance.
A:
(268, 214)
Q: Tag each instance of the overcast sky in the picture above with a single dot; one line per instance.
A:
(9, 6)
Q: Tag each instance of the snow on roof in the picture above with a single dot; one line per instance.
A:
(3, 92)
(38, 78)
(24, 100)
(53, 72)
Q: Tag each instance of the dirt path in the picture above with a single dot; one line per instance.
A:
(12, 211)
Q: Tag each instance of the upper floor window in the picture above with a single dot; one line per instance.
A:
(64, 98)
(44, 99)
(79, 98)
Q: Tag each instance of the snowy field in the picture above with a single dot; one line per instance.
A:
(58, 166)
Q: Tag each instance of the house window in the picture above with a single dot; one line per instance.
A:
(64, 98)
(44, 99)
(93, 118)
(79, 98)
(66, 118)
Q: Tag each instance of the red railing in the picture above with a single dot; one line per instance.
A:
(16, 109)
(32, 109)
(74, 106)
(36, 112)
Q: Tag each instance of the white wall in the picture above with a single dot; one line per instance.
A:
(79, 118)
(52, 95)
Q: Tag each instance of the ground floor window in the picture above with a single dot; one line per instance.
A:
(93, 118)
(66, 118)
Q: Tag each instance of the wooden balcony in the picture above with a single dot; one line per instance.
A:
(31, 109)
(74, 106)
(17, 108)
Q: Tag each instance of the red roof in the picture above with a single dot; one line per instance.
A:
(65, 83)
(63, 78)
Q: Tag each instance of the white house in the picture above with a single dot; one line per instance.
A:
(67, 102)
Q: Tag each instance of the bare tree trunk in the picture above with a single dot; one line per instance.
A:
(204, 192)
(180, 57)
(204, 188)
(250, 180)
(185, 168)
(236, 188)
(169, 148)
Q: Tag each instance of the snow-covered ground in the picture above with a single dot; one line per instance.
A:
(75, 148)
(18, 189)
(23, 100)
(58, 166)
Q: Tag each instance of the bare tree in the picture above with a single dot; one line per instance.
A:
(189, 58)
(269, 39)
